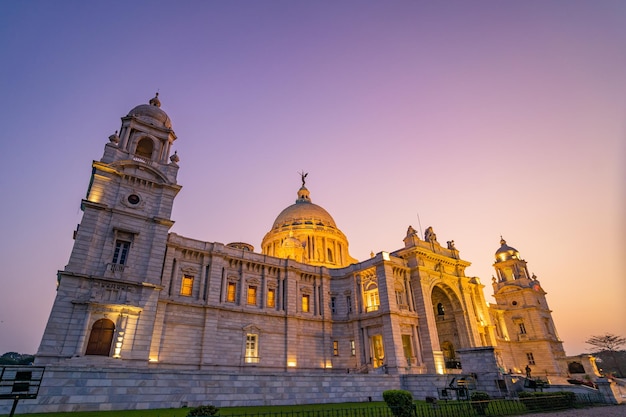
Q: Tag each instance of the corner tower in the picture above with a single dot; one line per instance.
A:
(522, 317)
(307, 233)
(109, 289)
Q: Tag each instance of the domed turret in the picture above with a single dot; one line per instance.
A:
(509, 265)
(307, 233)
(506, 252)
(152, 114)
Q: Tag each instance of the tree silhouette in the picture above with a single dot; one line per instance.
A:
(608, 342)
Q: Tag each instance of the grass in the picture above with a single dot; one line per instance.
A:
(267, 411)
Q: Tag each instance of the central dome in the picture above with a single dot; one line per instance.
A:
(307, 233)
(304, 212)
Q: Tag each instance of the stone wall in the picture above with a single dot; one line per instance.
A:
(93, 389)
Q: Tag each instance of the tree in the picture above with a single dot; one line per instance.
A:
(610, 343)
(14, 358)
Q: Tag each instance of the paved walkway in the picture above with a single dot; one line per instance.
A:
(599, 411)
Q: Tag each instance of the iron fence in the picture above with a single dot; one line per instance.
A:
(495, 407)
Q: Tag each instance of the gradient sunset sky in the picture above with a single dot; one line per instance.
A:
(483, 118)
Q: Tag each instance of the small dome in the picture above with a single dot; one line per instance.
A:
(152, 113)
(506, 252)
(246, 247)
(304, 212)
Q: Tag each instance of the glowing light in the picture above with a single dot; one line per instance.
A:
(291, 364)
(385, 256)
(153, 359)
(329, 365)
(95, 194)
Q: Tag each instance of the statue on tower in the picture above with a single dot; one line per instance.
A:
(430, 235)
(303, 175)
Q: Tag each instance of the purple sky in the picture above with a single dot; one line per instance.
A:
(485, 118)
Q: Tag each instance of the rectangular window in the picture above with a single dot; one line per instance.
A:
(305, 303)
(333, 304)
(231, 294)
(121, 252)
(186, 286)
(531, 358)
(522, 328)
(271, 297)
(252, 348)
(352, 348)
(407, 347)
(251, 295)
(335, 348)
(400, 299)
(349, 303)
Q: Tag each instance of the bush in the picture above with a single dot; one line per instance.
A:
(400, 402)
(541, 401)
(202, 411)
(480, 402)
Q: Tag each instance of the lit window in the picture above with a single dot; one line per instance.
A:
(407, 347)
(522, 328)
(186, 286)
(333, 304)
(252, 348)
(531, 358)
(251, 295)
(271, 297)
(335, 348)
(305, 303)
(232, 292)
(352, 348)
(121, 252)
(371, 298)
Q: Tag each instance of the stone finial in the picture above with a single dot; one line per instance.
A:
(175, 158)
(155, 101)
(114, 138)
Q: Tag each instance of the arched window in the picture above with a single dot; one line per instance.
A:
(372, 300)
(575, 368)
(440, 310)
(144, 148)
(100, 338)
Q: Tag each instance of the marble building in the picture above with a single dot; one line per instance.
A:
(136, 296)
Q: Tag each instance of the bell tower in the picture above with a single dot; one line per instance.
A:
(109, 289)
(522, 317)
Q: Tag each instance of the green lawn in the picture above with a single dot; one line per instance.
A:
(268, 411)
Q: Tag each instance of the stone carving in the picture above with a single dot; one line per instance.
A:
(430, 235)
(411, 231)
(451, 245)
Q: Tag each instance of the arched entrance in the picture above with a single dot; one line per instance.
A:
(446, 307)
(100, 338)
